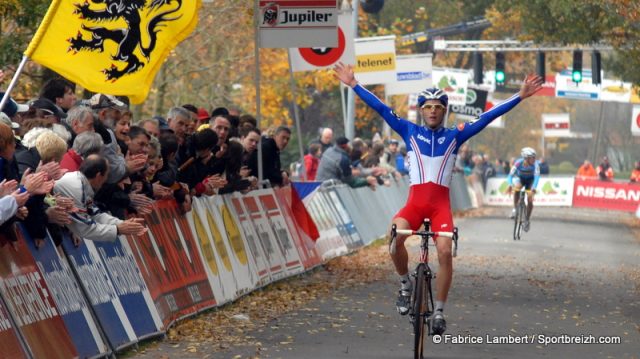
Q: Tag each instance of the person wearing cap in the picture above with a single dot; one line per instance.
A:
(7, 121)
(335, 164)
(48, 110)
(12, 108)
(432, 151)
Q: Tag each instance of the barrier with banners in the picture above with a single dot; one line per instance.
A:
(72, 306)
(551, 191)
(97, 298)
(606, 195)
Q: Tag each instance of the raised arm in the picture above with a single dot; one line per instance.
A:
(531, 84)
(345, 74)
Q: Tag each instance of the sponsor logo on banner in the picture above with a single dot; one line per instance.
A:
(476, 101)
(314, 58)
(301, 23)
(551, 191)
(556, 125)
(454, 82)
(413, 74)
(635, 121)
(606, 195)
(585, 90)
(548, 87)
(375, 60)
(615, 91)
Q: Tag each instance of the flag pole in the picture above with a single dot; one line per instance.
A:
(13, 82)
(296, 114)
(257, 84)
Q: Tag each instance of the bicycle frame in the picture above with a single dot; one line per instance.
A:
(422, 304)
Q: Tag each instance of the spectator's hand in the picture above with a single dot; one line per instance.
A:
(22, 213)
(65, 202)
(245, 172)
(221, 151)
(141, 203)
(76, 240)
(377, 171)
(135, 163)
(160, 191)
(39, 242)
(531, 84)
(133, 226)
(285, 179)
(345, 74)
(58, 215)
(372, 182)
(21, 198)
(216, 181)
(36, 183)
(136, 187)
(7, 187)
(52, 169)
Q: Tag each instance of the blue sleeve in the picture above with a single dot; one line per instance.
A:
(536, 176)
(469, 130)
(398, 124)
(513, 171)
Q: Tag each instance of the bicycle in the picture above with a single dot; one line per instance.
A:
(521, 213)
(422, 304)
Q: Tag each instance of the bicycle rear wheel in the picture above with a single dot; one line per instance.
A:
(420, 308)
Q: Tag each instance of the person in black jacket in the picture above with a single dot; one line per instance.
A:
(201, 172)
(271, 148)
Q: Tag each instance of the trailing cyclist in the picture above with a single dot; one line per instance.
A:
(524, 172)
(431, 151)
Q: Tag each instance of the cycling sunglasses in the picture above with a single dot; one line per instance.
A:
(429, 106)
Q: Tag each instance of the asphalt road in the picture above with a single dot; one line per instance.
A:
(574, 276)
(565, 280)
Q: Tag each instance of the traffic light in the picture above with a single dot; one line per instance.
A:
(596, 67)
(500, 77)
(477, 68)
(576, 74)
(540, 64)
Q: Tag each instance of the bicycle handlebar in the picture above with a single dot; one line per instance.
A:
(410, 232)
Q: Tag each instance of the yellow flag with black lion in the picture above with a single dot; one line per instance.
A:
(112, 46)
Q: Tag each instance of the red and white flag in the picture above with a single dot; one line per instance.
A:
(635, 121)
(556, 125)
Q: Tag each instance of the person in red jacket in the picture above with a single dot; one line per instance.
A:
(635, 174)
(312, 160)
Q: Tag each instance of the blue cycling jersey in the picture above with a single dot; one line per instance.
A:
(525, 171)
(432, 153)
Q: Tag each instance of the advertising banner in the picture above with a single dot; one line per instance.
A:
(585, 90)
(413, 74)
(316, 58)
(344, 216)
(454, 82)
(615, 91)
(251, 238)
(606, 195)
(9, 341)
(556, 125)
(635, 121)
(267, 238)
(303, 242)
(476, 102)
(284, 239)
(299, 23)
(170, 265)
(244, 271)
(212, 251)
(551, 191)
(375, 60)
(67, 294)
(29, 299)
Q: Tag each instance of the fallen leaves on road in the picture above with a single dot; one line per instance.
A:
(226, 327)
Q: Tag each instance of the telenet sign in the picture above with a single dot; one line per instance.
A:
(375, 62)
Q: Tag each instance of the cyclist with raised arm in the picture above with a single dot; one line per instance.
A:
(524, 172)
(431, 151)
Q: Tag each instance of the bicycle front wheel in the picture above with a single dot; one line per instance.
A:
(420, 309)
(517, 223)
